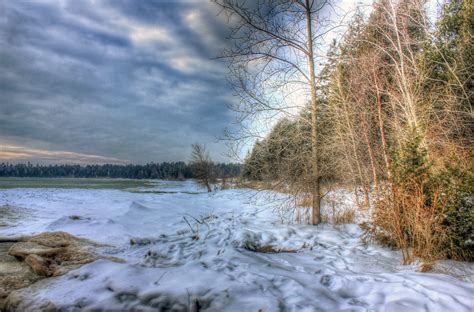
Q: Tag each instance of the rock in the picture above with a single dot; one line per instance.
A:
(16, 302)
(23, 249)
(61, 239)
(50, 307)
(54, 253)
(39, 265)
(13, 273)
(31, 258)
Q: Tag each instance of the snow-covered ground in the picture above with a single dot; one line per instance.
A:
(171, 267)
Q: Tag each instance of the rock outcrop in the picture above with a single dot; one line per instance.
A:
(27, 259)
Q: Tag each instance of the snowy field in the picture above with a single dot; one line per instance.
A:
(184, 265)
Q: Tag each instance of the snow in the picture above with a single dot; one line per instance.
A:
(172, 266)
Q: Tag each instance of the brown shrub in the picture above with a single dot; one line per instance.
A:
(410, 219)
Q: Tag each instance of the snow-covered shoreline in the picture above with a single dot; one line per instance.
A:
(204, 266)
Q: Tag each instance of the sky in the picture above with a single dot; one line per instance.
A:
(112, 81)
(87, 81)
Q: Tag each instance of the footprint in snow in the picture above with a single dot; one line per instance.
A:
(326, 280)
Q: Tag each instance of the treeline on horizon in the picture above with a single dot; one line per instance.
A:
(163, 170)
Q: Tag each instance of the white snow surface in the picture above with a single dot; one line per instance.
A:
(170, 267)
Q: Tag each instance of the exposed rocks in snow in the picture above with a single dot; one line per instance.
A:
(54, 253)
(30, 258)
(13, 273)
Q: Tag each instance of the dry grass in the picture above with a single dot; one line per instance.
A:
(305, 201)
(262, 185)
(345, 216)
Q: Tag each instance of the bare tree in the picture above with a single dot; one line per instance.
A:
(273, 67)
(203, 166)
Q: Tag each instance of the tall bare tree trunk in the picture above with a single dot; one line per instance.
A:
(381, 128)
(316, 202)
(208, 185)
(353, 143)
(366, 133)
(372, 160)
(278, 37)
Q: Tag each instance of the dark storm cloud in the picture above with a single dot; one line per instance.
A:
(114, 80)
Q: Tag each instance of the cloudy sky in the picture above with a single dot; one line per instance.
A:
(93, 81)
(113, 81)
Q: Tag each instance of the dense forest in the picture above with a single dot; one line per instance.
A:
(164, 170)
(390, 115)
